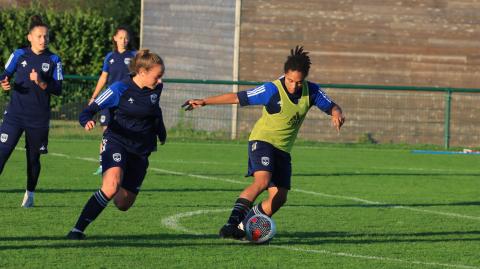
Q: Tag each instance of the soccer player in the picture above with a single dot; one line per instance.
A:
(286, 102)
(115, 68)
(38, 75)
(129, 139)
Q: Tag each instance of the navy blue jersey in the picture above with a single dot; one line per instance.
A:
(136, 116)
(267, 95)
(116, 65)
(30, 105)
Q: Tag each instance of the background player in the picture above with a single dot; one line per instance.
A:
(130, 138)
(286, 102)
(115, 68)
(38, 75)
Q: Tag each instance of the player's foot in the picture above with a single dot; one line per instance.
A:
(99, 171)
(75, 235)
(27, 200)
(231, 231)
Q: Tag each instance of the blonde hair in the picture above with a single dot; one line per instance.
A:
(145, 59)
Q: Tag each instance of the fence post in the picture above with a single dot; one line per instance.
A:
(446, 124)
(236, 53)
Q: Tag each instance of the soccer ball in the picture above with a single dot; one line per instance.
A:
(260, 229)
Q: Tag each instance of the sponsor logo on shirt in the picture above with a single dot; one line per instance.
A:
(295, 120)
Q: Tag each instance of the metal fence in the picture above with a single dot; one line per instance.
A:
(375, 114)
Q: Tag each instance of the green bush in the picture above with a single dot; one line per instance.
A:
(80, 38)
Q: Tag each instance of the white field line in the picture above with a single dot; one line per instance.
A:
(173, 222)
(341, 197)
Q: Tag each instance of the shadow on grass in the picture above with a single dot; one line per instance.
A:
(383, 174)
(333, 237)
(114, 241)
(466, 203)
(146, 190)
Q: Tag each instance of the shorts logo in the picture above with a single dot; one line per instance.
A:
(265, 161)
(102, 118)
(45, 67)
(127, 61)
(4, 137)
(153, 98)
(117, 157)
(43, 148)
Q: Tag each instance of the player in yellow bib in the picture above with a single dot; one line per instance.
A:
(286, 102)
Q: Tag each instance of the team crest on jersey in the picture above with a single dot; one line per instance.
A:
(45, 67)
(127, 60)
(103, 118)
(265, 161)
(4, 137)
(117, 157)
(153, 98)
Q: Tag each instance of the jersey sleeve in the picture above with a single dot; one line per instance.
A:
(11, 65)
(319, 98)
(257, 96)
(55, 84)
(111, 96)
(106, 67)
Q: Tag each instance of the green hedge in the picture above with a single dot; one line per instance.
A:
(80, 38)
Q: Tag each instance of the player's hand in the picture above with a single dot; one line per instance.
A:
(5, 84)
(337, 118)
(91, 101)
(193, 103)
(34, 76)
(90, 125)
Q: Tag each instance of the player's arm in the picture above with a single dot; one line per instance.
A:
(102, 81)
(10, 69)
(256, 96)
(160, 127)
(228, 98)
(320, 99)
(109, 98)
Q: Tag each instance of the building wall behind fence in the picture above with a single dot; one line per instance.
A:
(411, 43)
(196, 39)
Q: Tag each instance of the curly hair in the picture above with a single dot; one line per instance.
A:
(298, 60)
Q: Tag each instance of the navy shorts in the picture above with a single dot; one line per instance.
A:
(134, 166)
(36, 139)
(263, 156)
(104, 117)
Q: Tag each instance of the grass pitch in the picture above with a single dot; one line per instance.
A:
(350, 207)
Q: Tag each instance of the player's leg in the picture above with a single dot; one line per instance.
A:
(114, 165)
(104, 120)
(278, 186)
(9, 136)
(135, 171)
(36, 143)
(260, 167)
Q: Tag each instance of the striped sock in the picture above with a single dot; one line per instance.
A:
(239, 211)
(92, 209)
(256, 210)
